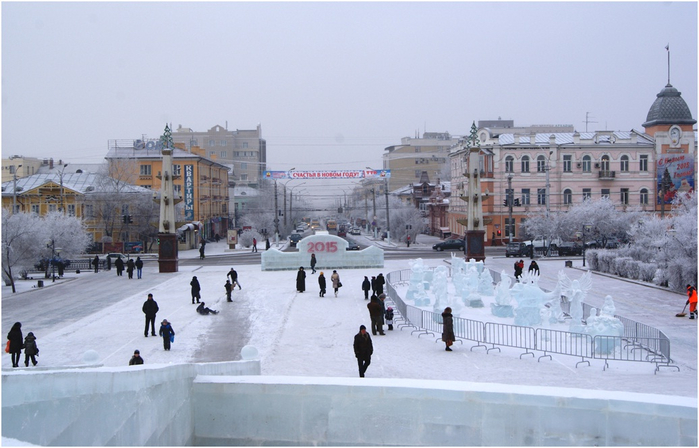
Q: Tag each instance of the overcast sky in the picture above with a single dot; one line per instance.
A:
(332, 84)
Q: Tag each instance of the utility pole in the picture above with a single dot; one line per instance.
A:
(388, 220)
(285, 206)
(548, 184)
(276, 215)
(14, 189)
(509, 205)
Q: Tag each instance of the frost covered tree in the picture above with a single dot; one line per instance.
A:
(27, 237)
(401, 215)
(604, 219)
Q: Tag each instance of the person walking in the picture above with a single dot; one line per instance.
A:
(109, 263)
(301, 280)
(16, 341)
(447, 328)
(201, 249)
(376, 315)
(167, 332)
(96, 263)
(373, 285)
(335, 279)
(692, 301)
(150, 309)
(130, 266)
(234, 278)
(254, 245)
(321, 284)
(380, 281)
(196, 289)
(313, 263)
(229, 290)
(363, 349)
(30, 349)
(139, 267)
(136, 358)
(366, 286)
(119, 265)
(533, 266)
(408, 240)
(519, 265)
(382, 301)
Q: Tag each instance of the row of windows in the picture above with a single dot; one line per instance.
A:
(220, 143)
(586, 194)
(585, 164)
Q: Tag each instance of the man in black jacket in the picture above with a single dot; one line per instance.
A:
(363, 349)
(150, 309)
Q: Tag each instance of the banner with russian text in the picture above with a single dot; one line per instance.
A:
(333, 174)
(681, 169)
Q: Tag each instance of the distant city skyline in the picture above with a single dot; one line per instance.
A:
(331, 84)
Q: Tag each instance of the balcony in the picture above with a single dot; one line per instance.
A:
(606, 174)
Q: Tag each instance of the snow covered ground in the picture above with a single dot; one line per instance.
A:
(301, 334)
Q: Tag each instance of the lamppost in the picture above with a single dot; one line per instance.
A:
(14, 190)
(586, 227)
(548, 184)
(291, 202)
(388, 218)
(54, 252)
(61, 178)
(509, 204)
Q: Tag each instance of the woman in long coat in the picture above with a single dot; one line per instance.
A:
(447, 328)
(301, 280)
(335, 278)
(16, 342)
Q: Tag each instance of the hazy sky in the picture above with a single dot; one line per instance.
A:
(332, 84)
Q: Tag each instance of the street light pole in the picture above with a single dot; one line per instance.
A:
(14, 190)
(548, 184)
(509, 205)
(388, 219)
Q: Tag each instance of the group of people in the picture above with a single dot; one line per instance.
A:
(519, 268)
(119, 265)
(375, 285)
(16, 343)
(322, 283)
(196, 295)
(150, 309)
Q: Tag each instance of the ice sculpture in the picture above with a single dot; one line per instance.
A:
(485, 285)
(439, 288)
(575, 291)
(605, 325)
(416, 289)
(530, 299)
(503, 298)
(473, 298)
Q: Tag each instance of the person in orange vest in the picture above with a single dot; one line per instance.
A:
(692, 300)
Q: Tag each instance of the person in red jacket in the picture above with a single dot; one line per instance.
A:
(692, 301)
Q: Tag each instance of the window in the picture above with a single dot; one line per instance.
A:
(624, 164)
(212, 142)
(243, 166)
(526, 196)
(223, 143)
(176, 170)
(89, 211)
(605, 163)
(510, 227)
(71, 209)
(643, 162)
(18, 208)
(541, 196)
(644, 196)
(605, 192)
(224, 154)
(625, 196)
(35, 208)
(243, 177)
(245, 145)
(177, 189)
(509, 164)
(567, 163)
(13, 169)
(525, 164)
(145, 170)
(236, 153)
(540, 164)
(587, 193)
(418, 149)
(52, 207)
(587, 164)
(567, 196)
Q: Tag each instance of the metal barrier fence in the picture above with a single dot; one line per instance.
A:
(639, 342)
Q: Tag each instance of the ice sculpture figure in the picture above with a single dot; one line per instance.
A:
(485, 285)
(530, 299)
(575, 291)
(416, 289)
(439, 288)
(473, 298)
(503, 298)
(458, 275)
(605, 325)
(473, 263)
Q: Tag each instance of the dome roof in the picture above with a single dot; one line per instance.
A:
(669, 108)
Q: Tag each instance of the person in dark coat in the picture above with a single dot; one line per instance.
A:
(150, 309)
(229, 290)
(389, 317)
(363, 349)
(204, 310)
(136, 359)
(119, 265)
(301, 280)
(16, 341)
(382, 301)
(313, 263)
(373, 285)
(201, 249)
(96, 263)
(380, 281)
(519, 265)
(167, 333)
(534, 267)
(130, 266)
(376, 315)
(447, 328)
(196, 289)
(267, 245)
(321, 284)
(109, 263)
(139, 267)
(234, 278)
(30, 349)
(366, 286)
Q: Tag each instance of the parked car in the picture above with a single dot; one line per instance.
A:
(569, 248)
(294, 238)
(450, 244)
(116, 255)
(518, 250)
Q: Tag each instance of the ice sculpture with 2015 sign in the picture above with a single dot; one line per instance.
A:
(330, 251)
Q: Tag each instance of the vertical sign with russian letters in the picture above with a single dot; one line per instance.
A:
(189, 192)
